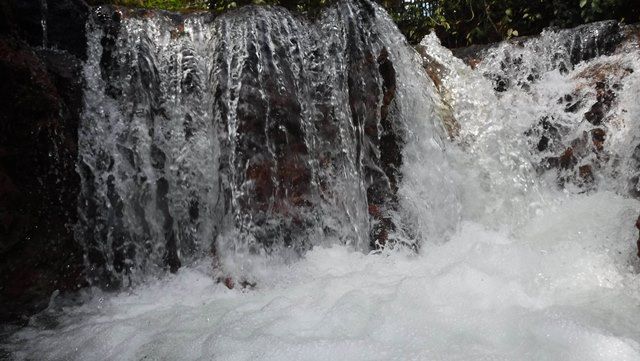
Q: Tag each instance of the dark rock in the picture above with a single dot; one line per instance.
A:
(26, 20)
(604, 99)
(567, 159)
(546, 135)
(578, 154)
(278, 181)
(272, 149)
(501, 84)
(543, 144)
(41, 101)
(390, 160)
(38, 150)
(66, 26)
(598, 137)
(638, 242)
(231, 284)
(599, 83)
(571, 106)
(472, 55)
(7, 25)
(58, 24)
(585, 173)
(580, 44)
(591, 40)
(171, 258)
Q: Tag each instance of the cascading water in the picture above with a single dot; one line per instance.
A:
(252, 133)
(264, 136)
(552, 120)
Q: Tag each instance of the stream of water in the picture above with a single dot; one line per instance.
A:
(508, 249)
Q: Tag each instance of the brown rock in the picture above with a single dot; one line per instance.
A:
(598, 137)
(436, 71)
(567, 159)
(585, 173)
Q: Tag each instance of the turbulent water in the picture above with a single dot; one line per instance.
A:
(515, 190)
(254, 133)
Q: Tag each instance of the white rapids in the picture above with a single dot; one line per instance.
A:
(560, 290)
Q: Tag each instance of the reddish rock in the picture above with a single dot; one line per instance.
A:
(604, 81)
(598, 137)
(585, 173)
(228, 281)
(231, 284)
(567, 159)
(436, 71)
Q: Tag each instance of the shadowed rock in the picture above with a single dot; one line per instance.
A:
(41, 101)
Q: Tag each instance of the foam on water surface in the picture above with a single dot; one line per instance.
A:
(562, 287)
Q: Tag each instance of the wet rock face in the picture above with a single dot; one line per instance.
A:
(255, 131)
(576, 158)
(41, 101)
(585, 45)
(583, 157)
(272, 145)
(382, 194)
(571, 46)
(577, 141)
(55, 24)
(436, 72)
(276, 145)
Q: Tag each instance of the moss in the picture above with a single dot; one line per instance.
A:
(171, 5)
(304, 6)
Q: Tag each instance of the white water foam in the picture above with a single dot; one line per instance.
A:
(561, 288)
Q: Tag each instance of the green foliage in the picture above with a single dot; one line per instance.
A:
(218, 6)
(465, 22)
(304, 6)
(457, 22)
(172, 5)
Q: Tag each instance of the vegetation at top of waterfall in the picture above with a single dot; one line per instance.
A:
(457, 22)
(219, 6)
(465, 22)
(172, 5)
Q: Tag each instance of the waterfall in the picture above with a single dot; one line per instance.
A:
(255, 133)
(372, 200)
(540, 115)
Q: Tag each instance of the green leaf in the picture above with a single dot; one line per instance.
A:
(583, 3)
